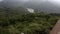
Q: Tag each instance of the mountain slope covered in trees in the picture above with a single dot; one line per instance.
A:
(17, 20)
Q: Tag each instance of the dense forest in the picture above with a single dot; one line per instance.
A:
(18, 20)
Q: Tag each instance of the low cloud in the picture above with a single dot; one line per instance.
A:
(1, 0)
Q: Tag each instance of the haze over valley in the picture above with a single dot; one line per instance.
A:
(46, 5)
(28, 16)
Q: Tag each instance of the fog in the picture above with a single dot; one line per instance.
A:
(23, 2)
(55, 2)
(46, 5)
(30, 10)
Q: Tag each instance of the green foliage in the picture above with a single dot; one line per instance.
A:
(13, 22)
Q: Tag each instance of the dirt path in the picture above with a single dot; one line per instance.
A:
(56, 29)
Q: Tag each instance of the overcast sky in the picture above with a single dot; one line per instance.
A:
(37, 1)
(34, 0)
(1, 0)
(55, 1)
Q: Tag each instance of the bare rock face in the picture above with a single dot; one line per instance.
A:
(56, 29)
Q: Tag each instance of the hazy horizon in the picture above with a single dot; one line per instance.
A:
(46, 5)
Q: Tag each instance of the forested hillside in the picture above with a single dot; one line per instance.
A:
(17, 20)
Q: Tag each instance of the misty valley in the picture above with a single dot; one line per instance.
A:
(28, 16)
